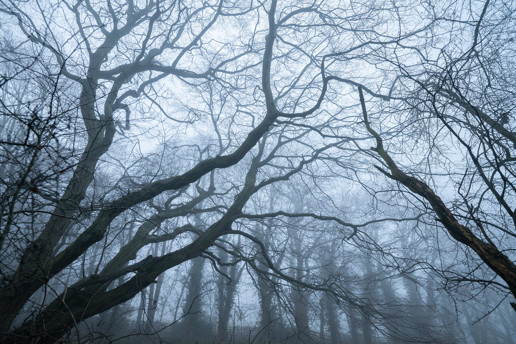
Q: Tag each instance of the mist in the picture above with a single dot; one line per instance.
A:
(257, 171)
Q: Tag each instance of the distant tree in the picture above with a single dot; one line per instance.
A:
(227, 283)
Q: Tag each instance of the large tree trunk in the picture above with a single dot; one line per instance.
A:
(35, 268)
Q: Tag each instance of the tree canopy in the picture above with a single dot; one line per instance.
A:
(345, 159)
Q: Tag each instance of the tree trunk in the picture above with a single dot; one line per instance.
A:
(141, 310)
(226, 292)
(332, 318)
(352, 318)
(154, 294)
(193, 306)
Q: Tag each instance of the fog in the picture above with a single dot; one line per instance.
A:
(257, 172)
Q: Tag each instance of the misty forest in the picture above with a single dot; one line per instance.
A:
(258, 171)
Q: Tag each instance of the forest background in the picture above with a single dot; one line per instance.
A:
(257, 171)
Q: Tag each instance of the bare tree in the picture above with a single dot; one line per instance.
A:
(460, 100)
(118, 57)
(125, 122)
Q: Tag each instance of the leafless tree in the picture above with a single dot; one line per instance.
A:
(232, 133)
(459, 109)
(112, 62)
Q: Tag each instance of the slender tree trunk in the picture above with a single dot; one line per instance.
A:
(322, 320)
(415, 310)
(477, 331)
(221, 300)
(299, 299)
(352, 319)
(226, 292)
(367, 331)
(268, 313)
(154, 293)
(300, 302)
(333, 319)
(193, 306)
(141, 310)
(393, 308)
(329, 311)
(270, 318)
(370, 291)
